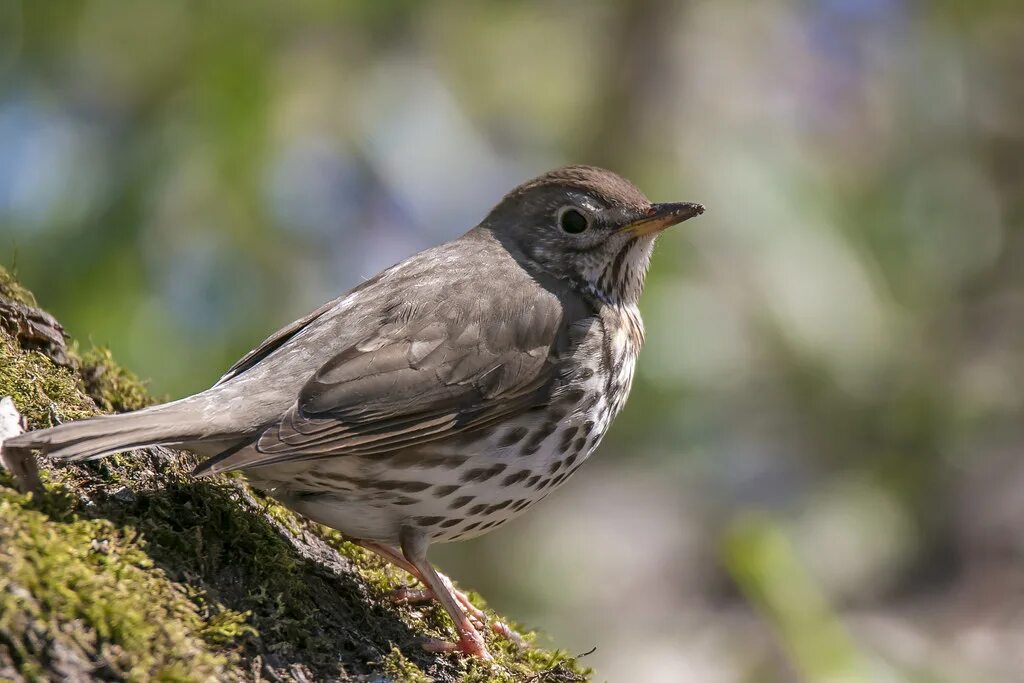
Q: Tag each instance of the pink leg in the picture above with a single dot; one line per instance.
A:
(414, 547)
(414, 596)
(389, 553)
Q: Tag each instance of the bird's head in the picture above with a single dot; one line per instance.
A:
(586, 225)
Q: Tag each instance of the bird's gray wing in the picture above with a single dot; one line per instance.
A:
(429, 371)
(274, 342)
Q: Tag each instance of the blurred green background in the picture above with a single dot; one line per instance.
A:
(819, 474)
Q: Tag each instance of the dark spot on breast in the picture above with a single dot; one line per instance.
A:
(585, 373)
(529, 449)
(567, 435)
(557, 412)
(513, 436)
(560, 478)
(334, 476)
(572, 396)
(516, 478)
(555, 466)
(484, 473)
(532, 481)
(471, 526)
(462, 501)
(579, 444)
(587, 427)
(477, 509)
(499, 506)
(397, 485)
(571, 459)
(443, 491)
(449, 523)
(314, 495)
(405, 500)
(429, 521)
(537, 438)
(405, 459)
(520, 504)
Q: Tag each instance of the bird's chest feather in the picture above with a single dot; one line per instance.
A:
(625, 336)
(599, 374)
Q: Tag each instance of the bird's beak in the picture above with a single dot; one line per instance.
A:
(661, 216)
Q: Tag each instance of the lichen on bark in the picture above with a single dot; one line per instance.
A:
(126, 568)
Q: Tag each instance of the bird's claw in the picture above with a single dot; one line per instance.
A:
(470, 644)
(508, 633)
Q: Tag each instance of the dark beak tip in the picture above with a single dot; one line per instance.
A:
(682, 210)
(658, 217)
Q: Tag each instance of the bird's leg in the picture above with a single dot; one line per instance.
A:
(414, 548)
(389, 553)
(475, 613)
(408, 595)
(414, 596)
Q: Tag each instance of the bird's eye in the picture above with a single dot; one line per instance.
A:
(572, 221)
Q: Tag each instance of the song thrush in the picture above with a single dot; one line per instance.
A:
(442, 397)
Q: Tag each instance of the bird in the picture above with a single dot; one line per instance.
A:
(440, 398)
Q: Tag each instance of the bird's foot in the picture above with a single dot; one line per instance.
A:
(415, 596)
(471, 644)
(471, 619)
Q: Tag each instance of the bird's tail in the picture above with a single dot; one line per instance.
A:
(170, 423)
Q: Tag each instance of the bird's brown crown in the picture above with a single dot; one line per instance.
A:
(609, 186)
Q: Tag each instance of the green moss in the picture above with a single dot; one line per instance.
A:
(133, 569)
(10, 288)
(512, 663)
(395, 665)
(114, 389)
(96, 580)
(45, 393)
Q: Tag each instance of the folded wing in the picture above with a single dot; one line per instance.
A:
(424, 375)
